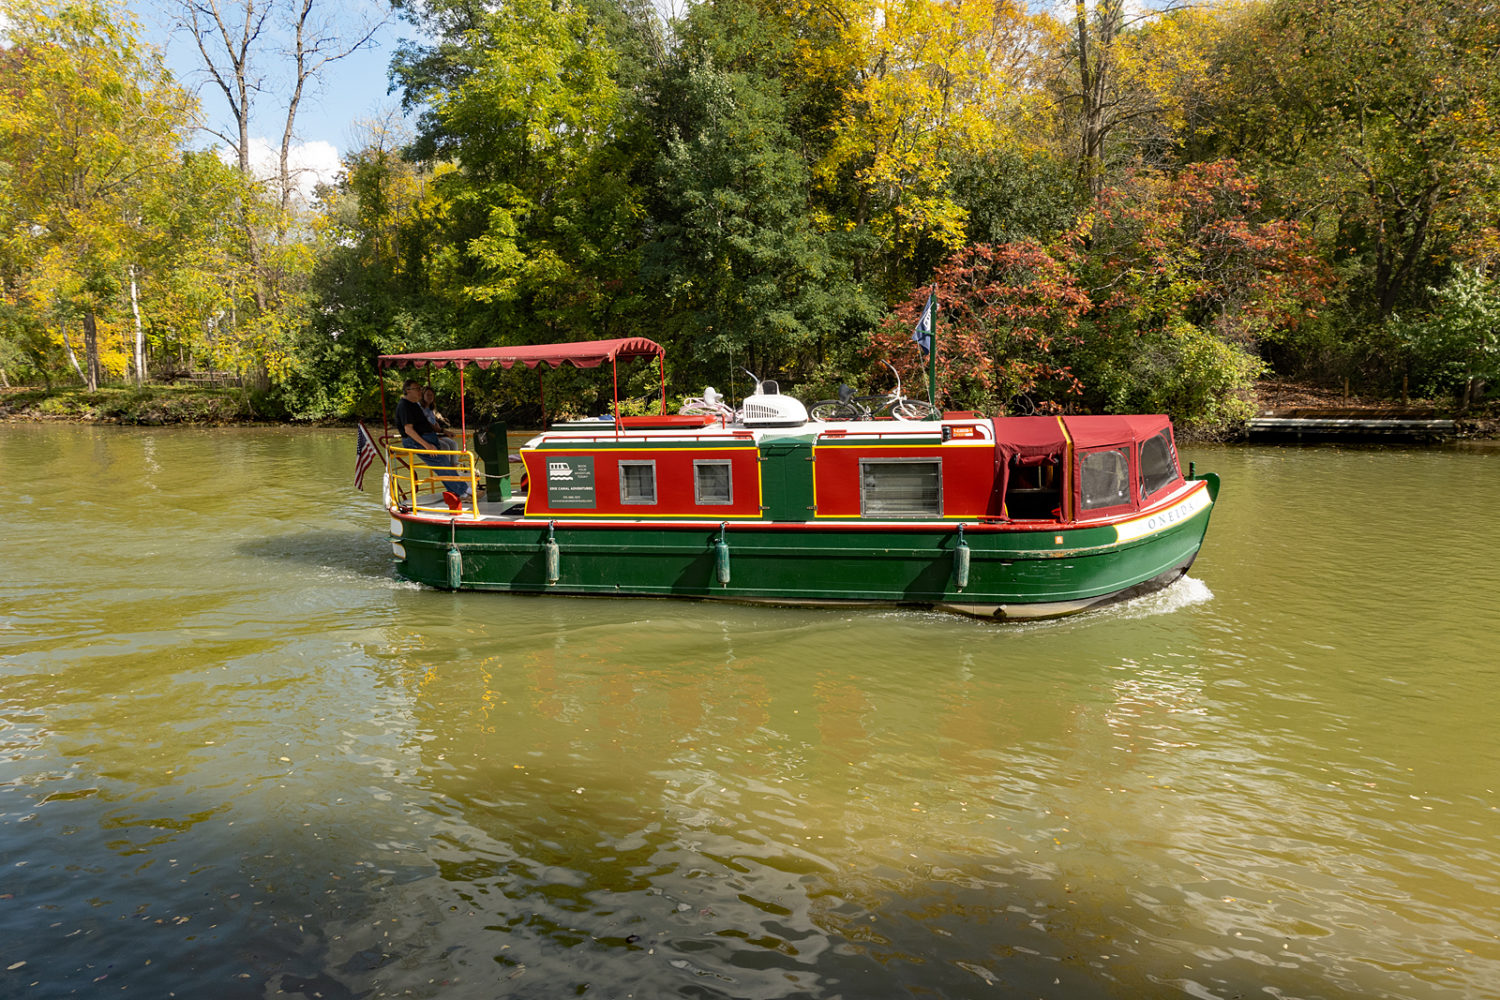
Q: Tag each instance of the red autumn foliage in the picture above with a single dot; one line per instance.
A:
(1004, 313)
(1158, 256)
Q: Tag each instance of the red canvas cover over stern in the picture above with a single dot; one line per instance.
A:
(1027, 440)
(1113, 431)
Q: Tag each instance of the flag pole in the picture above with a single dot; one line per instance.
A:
(932, 354)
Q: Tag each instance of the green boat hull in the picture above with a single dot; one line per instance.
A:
(990, 572)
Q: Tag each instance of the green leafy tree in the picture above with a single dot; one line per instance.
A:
(744, 271)
(1455, 347)
(374, 239)
(538, 224)
(1375, 122)
(89, 122)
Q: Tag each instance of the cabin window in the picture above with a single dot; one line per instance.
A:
(638, 482)
(1106, 478)
(900, 487)
(1158, 463)
(711, 482)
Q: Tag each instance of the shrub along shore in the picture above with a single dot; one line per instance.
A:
(148, 406)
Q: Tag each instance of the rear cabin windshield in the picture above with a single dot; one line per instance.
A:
(1106, 478)
(1158, 463)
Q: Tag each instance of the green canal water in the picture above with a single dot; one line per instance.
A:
(239, 760)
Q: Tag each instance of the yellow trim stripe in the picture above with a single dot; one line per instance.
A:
(1070, 511)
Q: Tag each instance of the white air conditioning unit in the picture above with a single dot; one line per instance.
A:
(769, 408)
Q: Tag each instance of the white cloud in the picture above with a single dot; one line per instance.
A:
(1135, 10)
(309, 163)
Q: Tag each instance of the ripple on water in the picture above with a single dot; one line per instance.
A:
(232, 745)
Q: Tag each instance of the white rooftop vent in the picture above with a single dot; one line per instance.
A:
(767, 407)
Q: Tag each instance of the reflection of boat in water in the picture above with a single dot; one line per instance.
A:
(1010, 517)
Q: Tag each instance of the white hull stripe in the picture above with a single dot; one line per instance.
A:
(1180, 511)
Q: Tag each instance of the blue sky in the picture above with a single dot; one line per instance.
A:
(352, 90)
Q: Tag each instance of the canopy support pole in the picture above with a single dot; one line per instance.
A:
(385, 422)
(615, 364)
(661, 360)
(463, 422)
(541, 392)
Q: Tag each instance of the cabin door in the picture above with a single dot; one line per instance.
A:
(786, 478)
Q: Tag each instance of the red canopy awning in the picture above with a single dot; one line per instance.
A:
(582, 354)
(1113, 431)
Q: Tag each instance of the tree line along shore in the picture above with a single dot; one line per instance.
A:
(1116, 209)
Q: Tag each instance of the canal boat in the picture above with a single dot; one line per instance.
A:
(1002, 518)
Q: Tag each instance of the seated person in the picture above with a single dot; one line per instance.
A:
(418, 432)
(436, 419)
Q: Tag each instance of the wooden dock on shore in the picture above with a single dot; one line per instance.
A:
(1366, 427)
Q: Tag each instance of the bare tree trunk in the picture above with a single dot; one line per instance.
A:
(214, 33)
(140, 335)
(314, 46)
(300, 56)
(1095, 66)
(231, 48)
(92, 350)
(73, 358)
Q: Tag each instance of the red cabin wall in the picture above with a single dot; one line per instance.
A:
(968, 476)
(674, 482)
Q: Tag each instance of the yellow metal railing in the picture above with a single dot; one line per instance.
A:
(414, 474)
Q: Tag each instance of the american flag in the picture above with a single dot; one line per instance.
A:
(364, 455)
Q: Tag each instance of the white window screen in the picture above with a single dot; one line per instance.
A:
(898, 487)
(711, 482)
(638, 482)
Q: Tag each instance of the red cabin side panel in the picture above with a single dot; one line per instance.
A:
(675, 477)
(968, 476)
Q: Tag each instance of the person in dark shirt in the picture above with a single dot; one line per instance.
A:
(418, 432)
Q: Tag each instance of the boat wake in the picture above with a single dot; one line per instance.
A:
(1183, 593)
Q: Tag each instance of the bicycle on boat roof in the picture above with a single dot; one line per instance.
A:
(851, 407)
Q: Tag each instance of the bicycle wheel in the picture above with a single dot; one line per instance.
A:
(913, 409)
(833, 409)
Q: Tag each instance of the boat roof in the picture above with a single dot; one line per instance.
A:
(579, 354)
(1023, 437)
